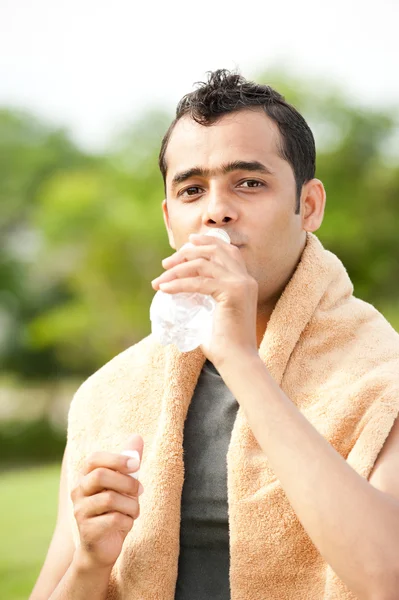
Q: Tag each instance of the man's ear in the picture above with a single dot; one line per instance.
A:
(313, 202)
(167, 224)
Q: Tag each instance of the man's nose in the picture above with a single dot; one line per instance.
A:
(219, 210)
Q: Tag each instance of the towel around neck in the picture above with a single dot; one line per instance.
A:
(335, 357)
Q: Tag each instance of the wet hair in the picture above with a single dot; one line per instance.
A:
(227, 92)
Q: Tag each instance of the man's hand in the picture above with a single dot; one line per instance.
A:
(106, 504)
(217, 269)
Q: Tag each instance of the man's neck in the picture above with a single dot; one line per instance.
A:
(261, 323)
(264, 313)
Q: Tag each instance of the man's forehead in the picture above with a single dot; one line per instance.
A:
(248, 134)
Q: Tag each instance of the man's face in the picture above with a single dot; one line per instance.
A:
(255, 207)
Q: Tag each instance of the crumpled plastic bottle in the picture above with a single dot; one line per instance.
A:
(184, 319)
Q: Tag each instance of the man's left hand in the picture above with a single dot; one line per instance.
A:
(215, 268)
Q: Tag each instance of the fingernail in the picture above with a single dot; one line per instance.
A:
(141, 489)
(133, 464)
(134, 461)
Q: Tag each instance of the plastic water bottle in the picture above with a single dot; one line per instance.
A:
(184, 319)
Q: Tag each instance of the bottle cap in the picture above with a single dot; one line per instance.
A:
(219, 233)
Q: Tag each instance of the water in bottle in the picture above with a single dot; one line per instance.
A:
(184, 319)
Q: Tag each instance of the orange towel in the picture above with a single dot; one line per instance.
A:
(335, 357)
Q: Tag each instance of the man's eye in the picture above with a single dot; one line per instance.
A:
(252, 183)
(191, 191)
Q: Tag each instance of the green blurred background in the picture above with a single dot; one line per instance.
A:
(82, 236)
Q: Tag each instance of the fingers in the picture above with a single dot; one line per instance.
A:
(135, 442)
(106, 503)
(206, 260)
(105, 479)
(114, 521)
(221, 253)
(110, 501)
(193, 268)
(200, 285)
(108, 460)
(211, 286)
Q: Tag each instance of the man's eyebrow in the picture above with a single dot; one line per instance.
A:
(237, 165)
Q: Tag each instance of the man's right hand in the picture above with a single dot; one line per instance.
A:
(106, 505)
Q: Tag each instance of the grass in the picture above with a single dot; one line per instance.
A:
(28, 507)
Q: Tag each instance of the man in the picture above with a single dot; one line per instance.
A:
(299, 386)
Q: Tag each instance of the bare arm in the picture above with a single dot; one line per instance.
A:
(82, 581)
(332, 501)
(61, 550)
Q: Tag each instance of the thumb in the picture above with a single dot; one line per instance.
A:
(134, 448)
(135, 442)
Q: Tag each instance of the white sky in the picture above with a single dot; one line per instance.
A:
(93, 64)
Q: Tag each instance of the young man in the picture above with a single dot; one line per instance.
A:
(271, 454)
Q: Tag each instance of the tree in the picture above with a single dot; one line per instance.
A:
(30, 153)
(104, 238)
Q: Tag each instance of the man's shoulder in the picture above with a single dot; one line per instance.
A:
(348, 341)
(374, 328)
(353, 320)
(147, 355)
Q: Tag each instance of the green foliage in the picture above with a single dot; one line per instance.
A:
(30, 153)
(28, 506)
(30, 442)
(104, 237)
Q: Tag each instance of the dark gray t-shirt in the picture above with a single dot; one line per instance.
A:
(204, 533)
